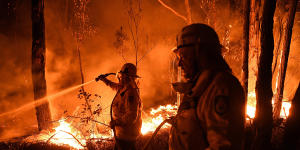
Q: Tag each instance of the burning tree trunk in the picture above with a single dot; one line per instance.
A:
(263, 89)
(292, 131)
(245, 43)
(287, 34)
(38, 63)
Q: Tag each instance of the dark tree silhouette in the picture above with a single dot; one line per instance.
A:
(38, 63)
(245, 43)
(292, 131)
(263, 89)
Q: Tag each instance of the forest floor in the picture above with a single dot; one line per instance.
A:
(160, 142)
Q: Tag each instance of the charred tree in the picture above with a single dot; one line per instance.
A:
(245, 42)
(38, 63)
(263, 89)
(292, 130)
(287, 35)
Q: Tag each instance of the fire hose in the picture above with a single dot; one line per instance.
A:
(169, 120)
(111, 119)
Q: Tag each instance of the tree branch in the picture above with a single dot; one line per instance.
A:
(173, 11)
(188, 11)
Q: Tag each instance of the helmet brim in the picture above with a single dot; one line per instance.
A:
(131, 75)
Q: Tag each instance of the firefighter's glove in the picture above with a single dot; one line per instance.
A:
(101, 77)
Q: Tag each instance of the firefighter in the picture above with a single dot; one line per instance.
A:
(212, 111)
(126, 108)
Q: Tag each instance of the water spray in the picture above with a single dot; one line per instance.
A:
(45, 99)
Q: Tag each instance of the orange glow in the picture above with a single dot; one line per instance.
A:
(286, 105)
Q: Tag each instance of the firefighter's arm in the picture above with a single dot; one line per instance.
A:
(218, 123)
(113, 85)
(132, 107)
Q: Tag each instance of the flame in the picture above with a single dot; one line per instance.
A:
(63, 135)
(157, 116)
(250, 111)
(66, 134)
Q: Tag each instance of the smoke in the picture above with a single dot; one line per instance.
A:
(157, 33)
(16, 85)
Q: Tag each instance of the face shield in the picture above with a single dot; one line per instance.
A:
(185, 55)
(185, 40)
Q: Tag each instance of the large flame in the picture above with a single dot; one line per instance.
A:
(64, 135)
(157, 116)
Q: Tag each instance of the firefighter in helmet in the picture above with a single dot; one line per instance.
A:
(126, 108)
(212, 111)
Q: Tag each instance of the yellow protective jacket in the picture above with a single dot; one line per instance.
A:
(126, 110)
(211, 115)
